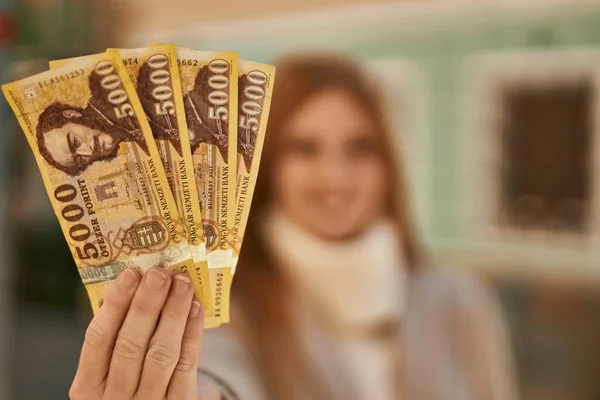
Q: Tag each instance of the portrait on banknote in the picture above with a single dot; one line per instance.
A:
(202, 126)
(72, 138)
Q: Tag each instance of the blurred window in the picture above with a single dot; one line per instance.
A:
(546, 152)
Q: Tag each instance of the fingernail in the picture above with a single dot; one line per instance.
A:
(182, 282)
(195, 309)
(127, 279)
(155, 279)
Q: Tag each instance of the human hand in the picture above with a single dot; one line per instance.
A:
(144, 342)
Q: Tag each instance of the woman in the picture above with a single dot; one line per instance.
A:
(333, 298)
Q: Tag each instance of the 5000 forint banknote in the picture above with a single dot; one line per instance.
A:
(101, 169)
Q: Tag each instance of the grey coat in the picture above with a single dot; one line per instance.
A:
(455, 341)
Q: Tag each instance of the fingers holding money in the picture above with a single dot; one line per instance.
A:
(184, 383)
(101, 335)
(132, 341)
(165, 346)
(144, 341)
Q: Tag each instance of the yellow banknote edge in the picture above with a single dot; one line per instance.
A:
(255, 89)
(53, 108)
(255, 92)
(209, 82)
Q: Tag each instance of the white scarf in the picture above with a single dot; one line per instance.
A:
(355, 283)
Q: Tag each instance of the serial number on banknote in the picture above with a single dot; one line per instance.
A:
(219, 291)
(130, 61)
(188, 63)
(61, 78)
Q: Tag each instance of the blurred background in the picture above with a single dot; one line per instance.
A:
(496, 105)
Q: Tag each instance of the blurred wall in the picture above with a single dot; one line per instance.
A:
(6, 38)
(172, 14)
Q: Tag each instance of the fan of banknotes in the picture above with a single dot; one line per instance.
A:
(150, 157)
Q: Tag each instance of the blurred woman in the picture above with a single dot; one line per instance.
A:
(333, 297)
